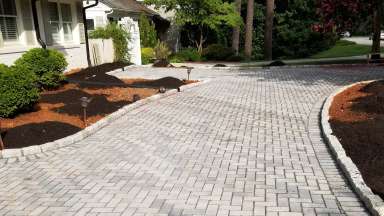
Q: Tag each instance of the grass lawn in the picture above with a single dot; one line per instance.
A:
(345, 49)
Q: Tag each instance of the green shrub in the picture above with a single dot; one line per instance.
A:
(217, 52)
(235, 58)
(147, 55)
(162, 51)
(120, 39)
(177, 59)
(48, 66)
(18, 90)
(148, 35)
(189, 54)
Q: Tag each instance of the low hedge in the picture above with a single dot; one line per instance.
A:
(217, 52)
(188, 54)
(48, 66)
(147, 55)
(18, 90)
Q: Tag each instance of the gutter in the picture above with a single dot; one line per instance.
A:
(86, 30)
(36, 25)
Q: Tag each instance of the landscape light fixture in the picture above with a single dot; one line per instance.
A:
(136, 97)
(84, 103)
(162, 90)
(189, 70)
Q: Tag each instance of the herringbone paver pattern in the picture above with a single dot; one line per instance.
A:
(246, 143)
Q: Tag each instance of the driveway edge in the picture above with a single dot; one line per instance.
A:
(16, 154)
(373, 202)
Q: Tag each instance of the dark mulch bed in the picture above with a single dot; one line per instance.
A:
(357, 119)
(30, 134)
(59, 113)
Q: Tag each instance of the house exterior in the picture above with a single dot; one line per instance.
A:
(60, 24)
(126, 13)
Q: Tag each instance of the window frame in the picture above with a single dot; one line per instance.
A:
(61, 22)
(19, 25)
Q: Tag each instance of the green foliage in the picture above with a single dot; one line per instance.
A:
(147, 55)
(235, 58)
(120, 39)
(206, 14)
(217, 52)
(293, 35)
(162, 51)
(48, 66)
(345, 48)
(148, 35)
(18, 90)
(188, 54)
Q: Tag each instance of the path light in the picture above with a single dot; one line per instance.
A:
(84, 103)
(162, 90)
(1, 139)
(136, 97)
(189, 70)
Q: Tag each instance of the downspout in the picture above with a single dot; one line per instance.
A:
(36, 25)
(86, 31)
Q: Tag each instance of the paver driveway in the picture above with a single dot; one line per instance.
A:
(246, 143)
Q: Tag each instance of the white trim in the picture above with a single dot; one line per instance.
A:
(74, 28)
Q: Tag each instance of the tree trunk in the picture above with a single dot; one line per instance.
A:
(236, 30)
(269, 29)
(249, 29)
(200, 42)
(377, 11)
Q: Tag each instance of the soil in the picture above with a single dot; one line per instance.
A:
(357, 119)
(59, 113)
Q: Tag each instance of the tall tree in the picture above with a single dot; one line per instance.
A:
(269, 15)
(205, 14)
(236, 30)
(249, 29)
(377, 12)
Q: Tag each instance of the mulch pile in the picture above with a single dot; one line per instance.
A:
(357, 119)
(59, 112)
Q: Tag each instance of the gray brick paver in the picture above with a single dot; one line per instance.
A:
(246, 143)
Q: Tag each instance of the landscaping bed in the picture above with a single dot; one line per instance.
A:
(58, 113)
(357, 120)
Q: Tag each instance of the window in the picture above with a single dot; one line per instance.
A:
(60, 21)
(90, 24)
(8, 20)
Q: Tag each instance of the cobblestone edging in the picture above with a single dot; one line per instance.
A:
(66, 141)
(373, 202)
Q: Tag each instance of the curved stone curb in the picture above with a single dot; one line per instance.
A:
(36, 149)
(373, 202)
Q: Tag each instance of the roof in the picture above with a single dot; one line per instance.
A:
(129, 6)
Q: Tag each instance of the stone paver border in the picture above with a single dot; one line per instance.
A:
(66, 141)
(373, 202)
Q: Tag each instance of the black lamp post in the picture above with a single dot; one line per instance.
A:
(189, 70)
(84, 103)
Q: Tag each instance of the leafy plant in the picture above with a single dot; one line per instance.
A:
(120, 39)
(18, 90)
(48, 66)
(188, 54)
(147, 55)
(162, 51)
(148, 35)
(217, 52)
(205, 14)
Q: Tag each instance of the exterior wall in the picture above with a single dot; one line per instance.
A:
(74, 51)
(100, 15)
(101, 51)
(76, 55)
(132, 26)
